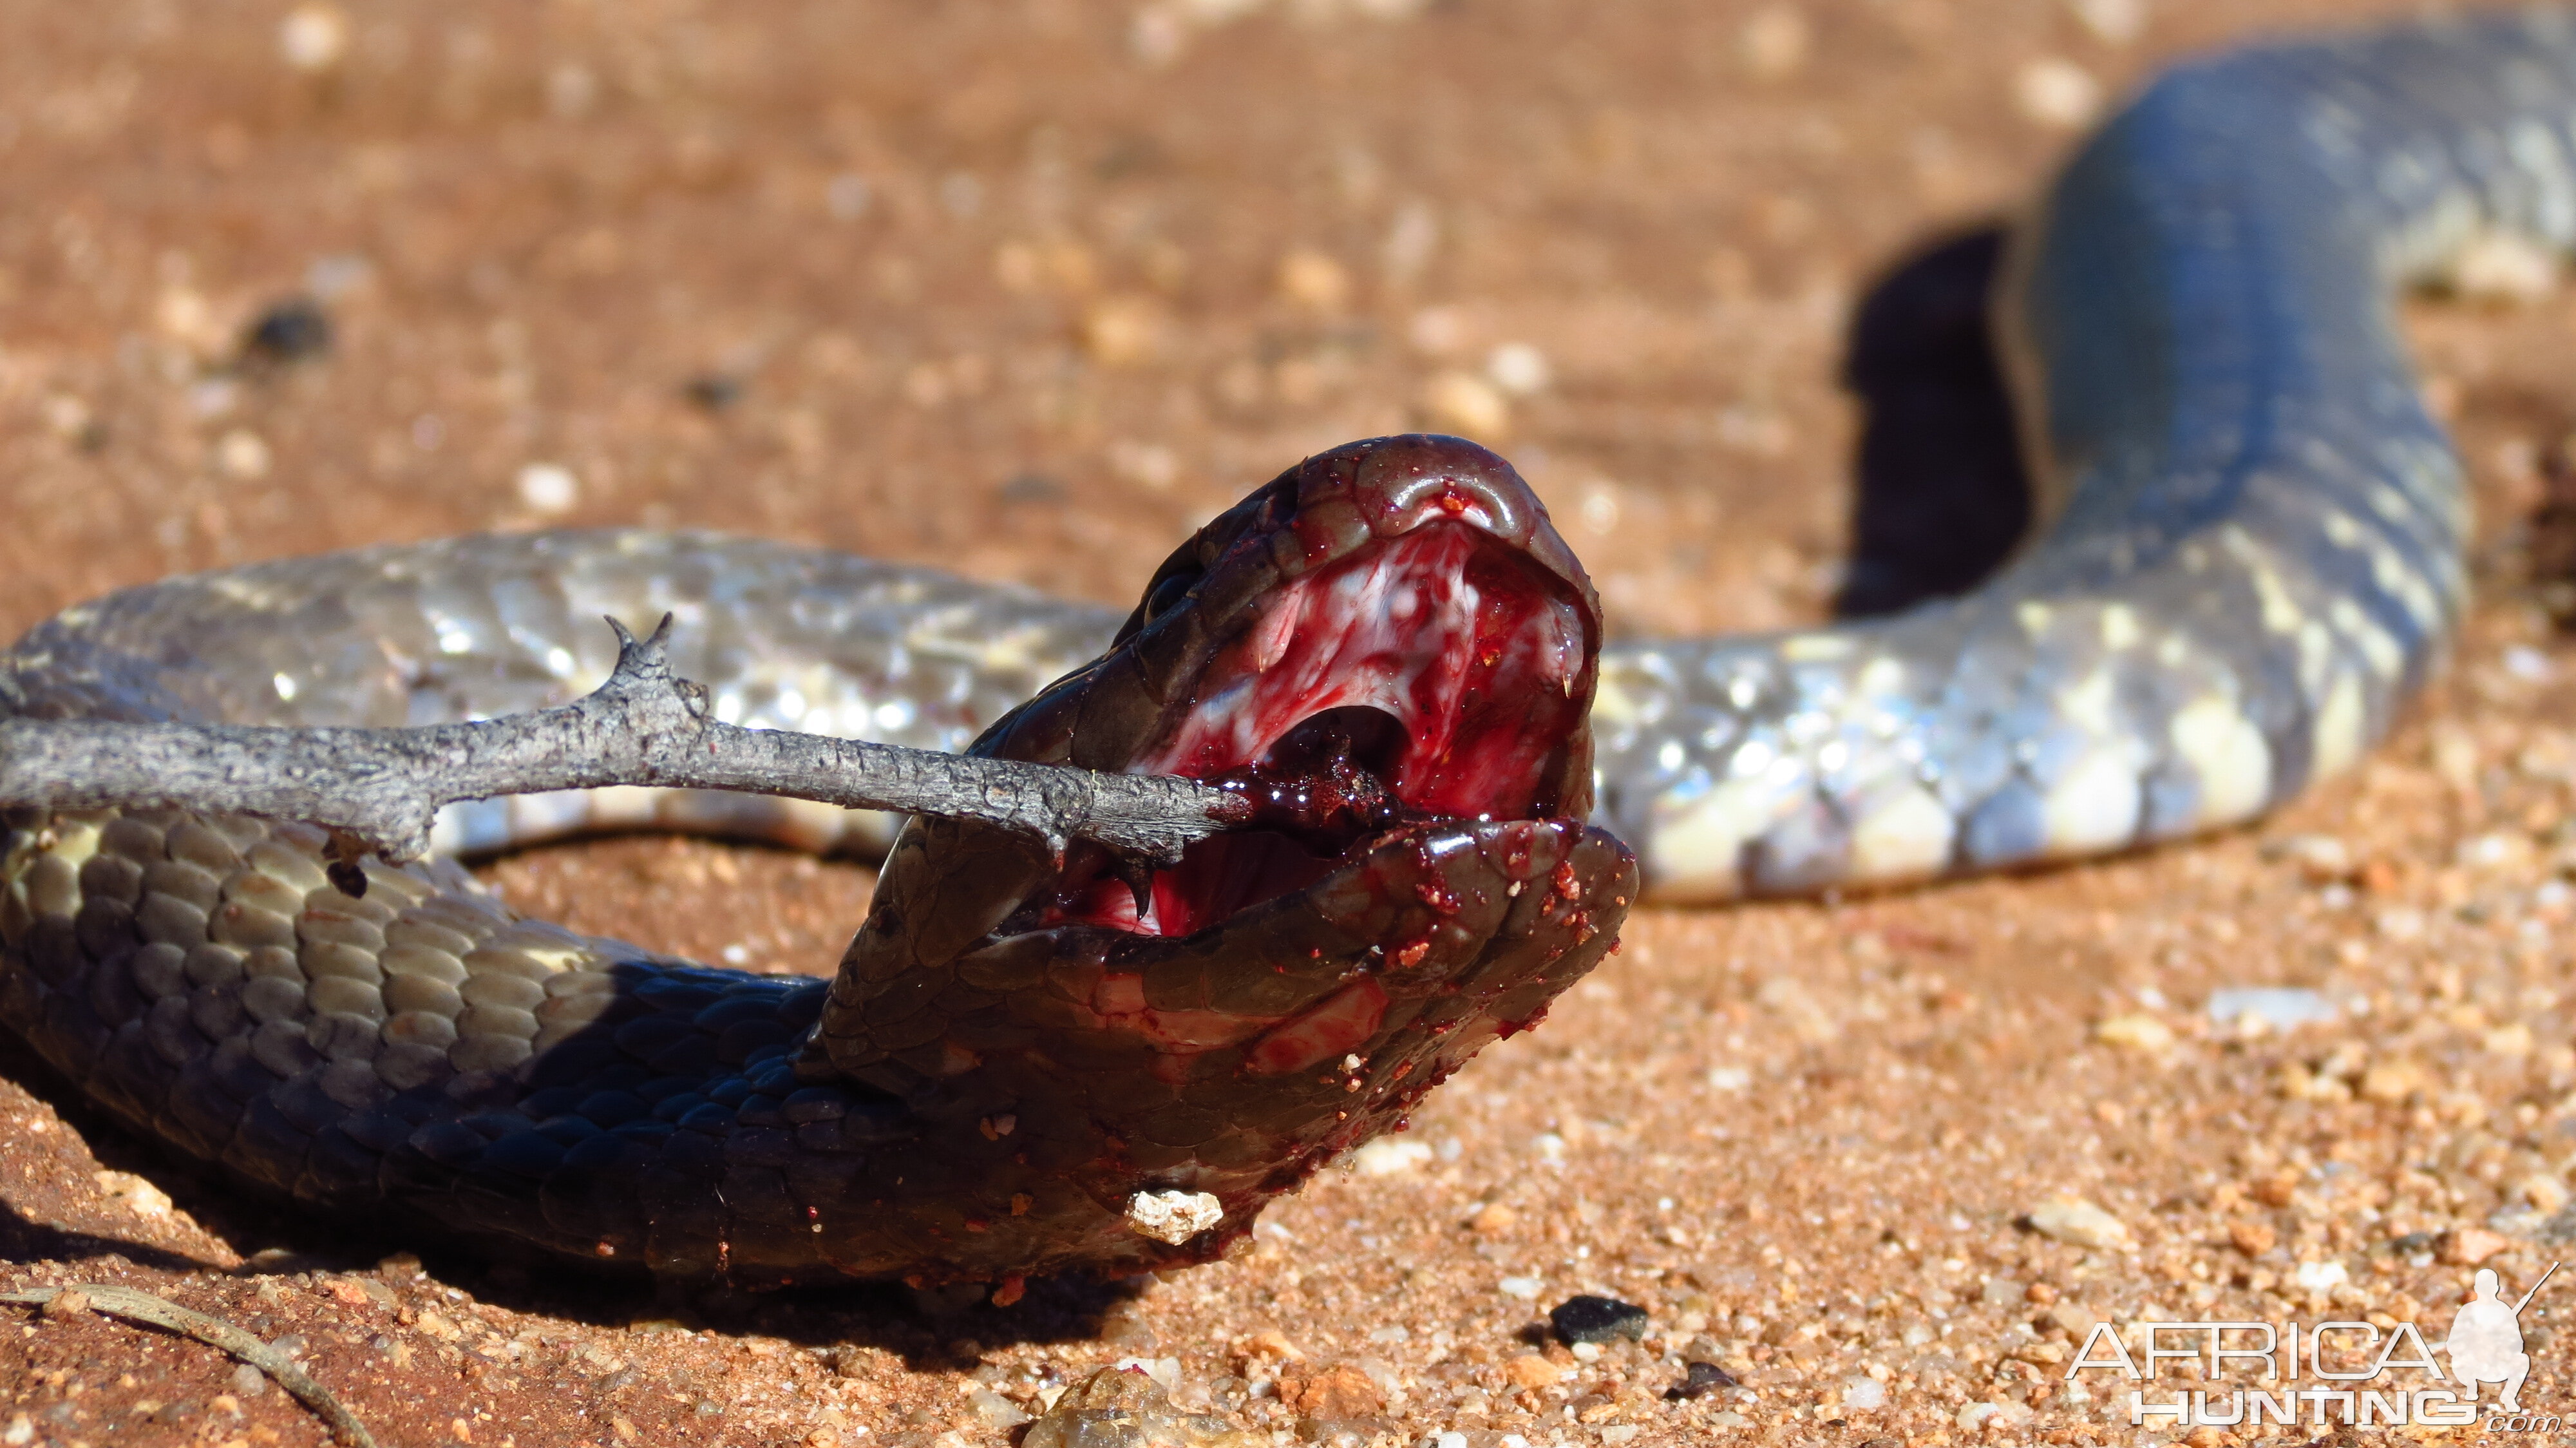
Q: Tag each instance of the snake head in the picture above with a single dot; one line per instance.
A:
(1390, 650)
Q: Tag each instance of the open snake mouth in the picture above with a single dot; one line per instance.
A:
(1392, 654)
(1433, 676)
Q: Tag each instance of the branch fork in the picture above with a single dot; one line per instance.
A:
(379, 790)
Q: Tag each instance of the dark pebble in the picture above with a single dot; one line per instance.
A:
(1032, 488)
(291, 331)
(715, 392)
(1701, 1380)
(1597, 1319)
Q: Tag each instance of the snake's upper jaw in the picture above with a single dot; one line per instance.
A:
(1392, 652)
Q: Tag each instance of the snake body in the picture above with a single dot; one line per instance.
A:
(2253, 556)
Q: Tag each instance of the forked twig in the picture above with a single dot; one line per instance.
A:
(382, 788)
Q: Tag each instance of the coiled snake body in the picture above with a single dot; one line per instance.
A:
(2254, 556)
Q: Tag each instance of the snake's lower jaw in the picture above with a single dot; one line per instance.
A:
(1074, 1069)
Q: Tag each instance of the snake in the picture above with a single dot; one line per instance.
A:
(2249, 555)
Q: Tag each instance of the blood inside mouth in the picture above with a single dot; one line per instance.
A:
(1432, 676)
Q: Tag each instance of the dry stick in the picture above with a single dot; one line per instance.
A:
(160, 1312)
(380, 789)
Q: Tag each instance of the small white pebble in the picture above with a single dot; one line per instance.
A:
(1437, 331)
(2135, 1031)
(242, 454)
(2527, 664)
(2321, 1276)
(1587, 1352)
(2277, 1008)
(1383, 1157)
(1313, 279)
(1147, 464)
(2492, 851)
(1863, 1392)
(1174, 1216)
(313, 38)
(1599, 510)
(1975, 1416)
(67, 415)
(548, 488)
(1462, 402)
(2057, 93)
(1526, 1289)
(184, 313)
(1518, 368)
(2323, 856)
(22, 1429)
(2079, 1222)
(1729, 1078)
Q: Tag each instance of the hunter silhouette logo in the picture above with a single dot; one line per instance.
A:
(2486, 1339)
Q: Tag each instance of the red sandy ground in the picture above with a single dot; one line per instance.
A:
(1027, 288)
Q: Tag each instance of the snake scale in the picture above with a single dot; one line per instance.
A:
(2251, 556)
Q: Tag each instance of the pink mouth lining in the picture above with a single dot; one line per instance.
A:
(1473, 651)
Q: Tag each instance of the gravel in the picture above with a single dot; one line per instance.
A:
(2278, 1008)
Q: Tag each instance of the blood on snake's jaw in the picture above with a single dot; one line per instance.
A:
(1389, 650)
(1429, 677)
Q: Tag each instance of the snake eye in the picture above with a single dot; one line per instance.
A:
(1168, 593)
